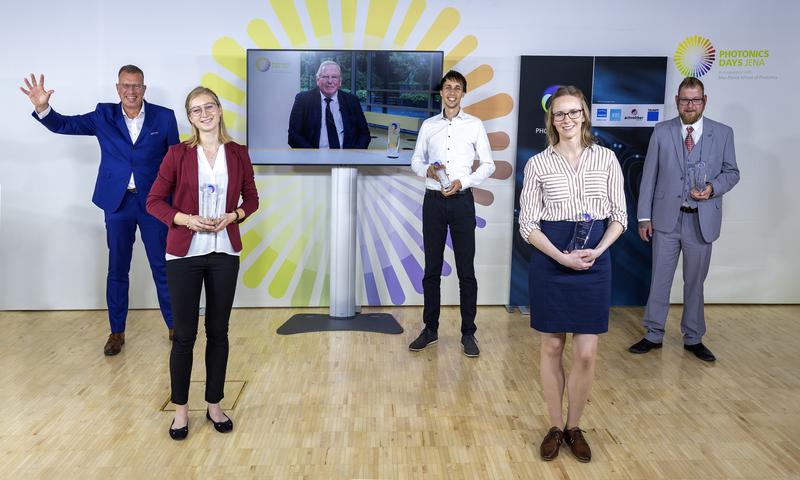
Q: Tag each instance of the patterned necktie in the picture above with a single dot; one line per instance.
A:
(689, 141)
(330, 125)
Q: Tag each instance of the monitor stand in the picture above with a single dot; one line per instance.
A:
(342, 314)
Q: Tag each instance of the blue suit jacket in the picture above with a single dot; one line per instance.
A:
(119, 157)
(306, 118)
(661, 190)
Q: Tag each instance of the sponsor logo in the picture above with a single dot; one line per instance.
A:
(602, 113)
(263, 64)
(548, 92)
(652, 115)
(615, 115)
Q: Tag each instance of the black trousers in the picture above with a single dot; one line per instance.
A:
(458, 213)
(185, 278)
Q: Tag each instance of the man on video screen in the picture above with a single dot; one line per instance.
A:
(327, 117)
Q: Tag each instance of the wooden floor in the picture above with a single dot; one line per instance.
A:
(356, 405)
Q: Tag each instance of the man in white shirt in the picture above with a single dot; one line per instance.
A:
(446, 148)
(690, 165)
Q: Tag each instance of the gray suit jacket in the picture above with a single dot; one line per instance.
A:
(661, 190)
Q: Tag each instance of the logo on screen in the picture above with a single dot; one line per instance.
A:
(548, 92)
(652, 115)
(602, 113)
(263, 64)
(695, 56)
(616, 115)
(634, 112)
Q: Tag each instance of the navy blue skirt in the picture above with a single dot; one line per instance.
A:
(564, 300)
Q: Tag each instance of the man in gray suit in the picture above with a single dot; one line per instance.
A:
(680, 216)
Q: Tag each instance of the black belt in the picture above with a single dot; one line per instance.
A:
(439, 193)
(688, 210)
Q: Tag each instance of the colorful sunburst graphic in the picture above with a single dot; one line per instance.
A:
(695, 56)
(285, 244)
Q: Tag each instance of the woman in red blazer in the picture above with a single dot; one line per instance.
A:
(205, 176)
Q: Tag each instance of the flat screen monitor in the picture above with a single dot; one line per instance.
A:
(395, 90)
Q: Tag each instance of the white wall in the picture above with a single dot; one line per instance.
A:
(52, 244)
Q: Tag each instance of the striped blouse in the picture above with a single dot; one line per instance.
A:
(553, 191)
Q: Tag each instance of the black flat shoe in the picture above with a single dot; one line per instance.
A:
(221, 427)
(178, 433)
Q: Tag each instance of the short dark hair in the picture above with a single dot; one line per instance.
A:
(132, 69)
(691, 82)
(453, 76)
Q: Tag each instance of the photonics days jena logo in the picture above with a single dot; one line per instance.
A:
(695, 56)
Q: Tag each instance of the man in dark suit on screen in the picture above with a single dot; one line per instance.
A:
(327, 117)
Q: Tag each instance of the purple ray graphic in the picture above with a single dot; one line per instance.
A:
(392, 282)
(373, 298)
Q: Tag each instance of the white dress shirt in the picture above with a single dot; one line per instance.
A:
(337, 119)
(455, 143)
(134, 128)
(204, 243)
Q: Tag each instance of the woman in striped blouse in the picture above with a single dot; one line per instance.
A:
(574, 179)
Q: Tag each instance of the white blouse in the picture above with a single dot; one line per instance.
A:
(204, 243)
(552, 190)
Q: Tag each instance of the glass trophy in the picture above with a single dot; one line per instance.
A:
(698, 177)
(210, 202)
(393, 141)
(442, 174)
(581, 233)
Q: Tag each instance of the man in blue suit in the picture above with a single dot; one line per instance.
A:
(682, 212)
(327, 117)
(134, 136)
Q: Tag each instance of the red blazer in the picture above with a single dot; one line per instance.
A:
(177, 177)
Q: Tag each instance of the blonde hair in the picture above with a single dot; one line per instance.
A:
(587, 138)
(222, 134)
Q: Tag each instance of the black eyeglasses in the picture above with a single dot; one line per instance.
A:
(694, 101)
(573, 114)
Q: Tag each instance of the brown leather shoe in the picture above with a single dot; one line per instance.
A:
(114, 343)
(574, 438)
(171, 332)
(551, 444)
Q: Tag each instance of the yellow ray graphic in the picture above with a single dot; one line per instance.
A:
(320, 22)
(349, 21)
(253, 276)
(262, 35)
(282, 279)
(290, 21)
(413, 15)
(305, 286)
(252, 237)
(234, 122)
(230, 55)
(378, 18)
(442, 27)
(223, 88)
(496, 106)
(466, 46)
(480, 76)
